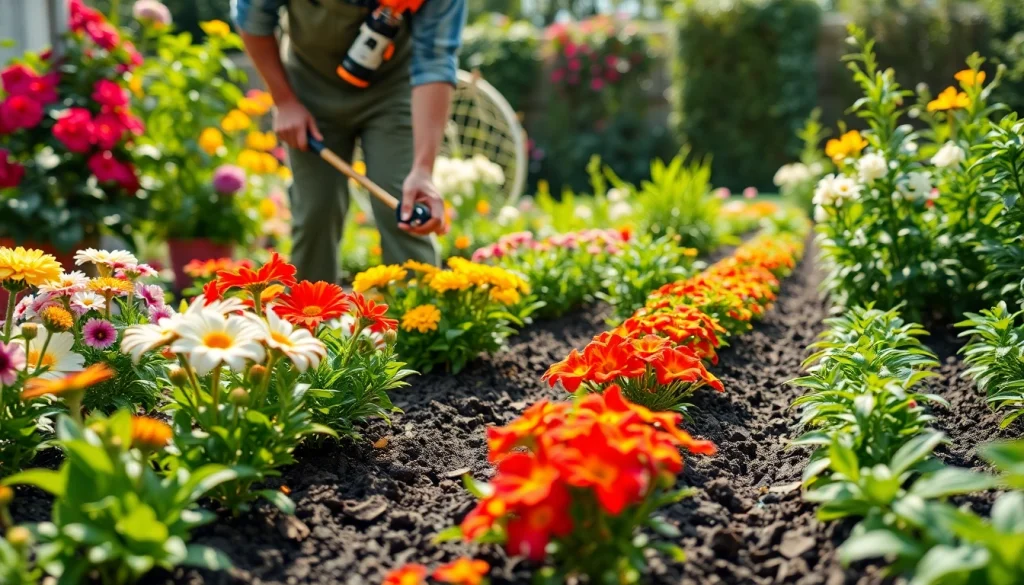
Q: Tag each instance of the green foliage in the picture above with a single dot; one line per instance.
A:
(114, 517)
(995, 354)
(642, 267)
(506, 55)
(353, 382)
(16, 567)
(1002, 187)
(133, 387)
(743, 82)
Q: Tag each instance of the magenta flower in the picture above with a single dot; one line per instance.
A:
(596, 84)
(152, 11)
(228, 179)
(99, 334)
(722, 193)
(12, 361)
(156, 314)
(153, 294)
(750, 192)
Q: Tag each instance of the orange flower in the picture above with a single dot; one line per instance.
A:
(463, 571)
(534, 422)
(275, 271)
(372, 315)
(408, 575)
(602, 461)
(523, 480)
(970, 78)
(649, 347)
(483, 517)
(571, 372)
(949, 99)
(532, 528)
(462, 242)
(150, 433)
(308, 304)
(70, 384)
(680, 364)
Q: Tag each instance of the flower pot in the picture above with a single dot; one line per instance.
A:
(184, 251)
(66, 259)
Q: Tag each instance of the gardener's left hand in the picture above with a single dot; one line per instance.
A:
(419, 188)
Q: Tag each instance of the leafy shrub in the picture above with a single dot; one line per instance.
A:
(743, 82)
(641, 267)
(995, 354)
(507, 56)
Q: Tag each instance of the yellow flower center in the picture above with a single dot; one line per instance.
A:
(312, 311)
(217, 340)
(49, 360)
(280, 338)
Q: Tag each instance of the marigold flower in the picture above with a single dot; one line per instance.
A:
(463, 571)
(257, 140)
(949, 99)
(211, 140)
(109, 285)
(423, 318)
(970, 78)
(447, 280)
(483, 207)
(309, 304)
(378, 277)
(150, 434)
(235, 121)
(849, 144)
(20, 266)
(57, 319)
(216, 28)
(505, 296)
(462, 242)
(408, 575)
(253, 107)
(275, 271)
(70, 384)
(421, 267)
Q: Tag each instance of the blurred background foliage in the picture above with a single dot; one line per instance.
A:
(727, 77)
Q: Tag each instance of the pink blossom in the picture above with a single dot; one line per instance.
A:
(722, 193)
(152, 294)
(12, 361)
(108, 131)
(11, 173)
(17, 79)
(99, 333)
(156, 314)
(596, 84)
(106, 167)
(18, 111)
(110, 94)
(75, 130)
(750, 192)
(103, 34)
(574, 64)
(228, 179)
(570, 49)
(152, 12)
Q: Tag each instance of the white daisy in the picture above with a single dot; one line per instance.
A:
(105, 258)
(872, 166)
(297, 344)
(211, 340)
(57, 361)
(68, 284)
(139, 339)
(346, 327)
(85, 301)
(225, 306)
(950, 155)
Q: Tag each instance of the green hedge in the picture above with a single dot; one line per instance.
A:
(744, 81)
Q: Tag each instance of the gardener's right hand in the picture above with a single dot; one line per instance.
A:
(291, 122)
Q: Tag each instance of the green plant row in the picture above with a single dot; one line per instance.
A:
(873, 460)
(995, 354)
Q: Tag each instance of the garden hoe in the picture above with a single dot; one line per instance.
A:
(420, 212)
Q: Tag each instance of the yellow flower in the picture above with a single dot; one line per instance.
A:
(253, 107)
(376, 251)
(216, 28)
(235, 121)
(483, 207)
(284, 173)
(108, 285)
(19, 266)
(448, 280)
(257, 140)
(261, 96)
(505, 296)
(251, 160)
(135, 85)
(378, 277)
(462, 242)
(267, 209)
(970, 78)
(949, 99)
(423, 318)
(359, 167)
(210, 140)
(57, 319)
(849, 144)
(421, 267)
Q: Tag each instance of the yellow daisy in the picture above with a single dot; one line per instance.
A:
(423, 318)
(19, 267)
(378, 277)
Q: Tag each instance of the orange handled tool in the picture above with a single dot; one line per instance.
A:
(420, 212)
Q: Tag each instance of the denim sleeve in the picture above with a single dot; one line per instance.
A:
(256, 17)
(436, 37)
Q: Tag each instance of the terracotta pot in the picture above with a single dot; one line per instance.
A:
(66, 259)
(184, 251)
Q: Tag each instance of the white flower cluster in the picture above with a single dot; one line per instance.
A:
(834, 190)
(872, 167)
(791, 175)
(453, 176)
(950, 155)
(619, 208)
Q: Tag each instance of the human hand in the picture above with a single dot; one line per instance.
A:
(419, 188)
(292, 122)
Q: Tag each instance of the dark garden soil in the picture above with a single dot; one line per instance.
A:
(362, 510)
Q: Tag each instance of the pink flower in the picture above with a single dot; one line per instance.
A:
(279, 153)
(19, 111)
(75, 130)
(228, 179)
(558, 75)
(109, 94)
(596, 84)
(81, 15)
(99, 333)
(106, 168)
(103, 34)
(11, 173)
(136, 271)
(611, 75)
(152, 294)
(722, 193)
(574, 64)
(750, 192)
(130, 122)
(17, 79)
(134, 56)
(44, 89)
(127, 178)
(570, 49)
(152, 12)
(12, 361)
(156, 314)
(611, 61)
(107, 131)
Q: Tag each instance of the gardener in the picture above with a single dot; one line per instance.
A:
(400, 129)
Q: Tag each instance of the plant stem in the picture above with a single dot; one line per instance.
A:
(42, 354)
(9, 318)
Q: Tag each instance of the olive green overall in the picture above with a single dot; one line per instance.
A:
(319, 33)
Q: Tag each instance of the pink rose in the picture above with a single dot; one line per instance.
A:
(106, 168)
(596, 84)
(109, 94)
(103, 34)
(11, 172)
(75, 130)
(19, 111)
(107, 131)
(17, 79)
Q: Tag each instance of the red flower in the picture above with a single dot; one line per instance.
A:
(17, 79)
(106, 168)
(130, 122)
(532, 528)
(482, 518)
(19, 111)
(407, 575)
(127, 178)
(522, 480)
(211, 292)
(602, 460)
(103, 34)
(11, 172)
(372, 315)
(309, 304)
(463, 571)
(275, 271)
(534, 422)
(110, 94)
(81, 15)
(75, 130)
(107, 131)
(571, 372)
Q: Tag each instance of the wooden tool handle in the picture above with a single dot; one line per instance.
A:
(346, 169)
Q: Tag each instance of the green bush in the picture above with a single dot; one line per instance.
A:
(744, 81)
(506, 54)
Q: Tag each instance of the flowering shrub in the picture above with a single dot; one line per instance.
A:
(469, 187)
(563, 469)
(65, 132)
(448, 316)
(995, 354)
(506, 54)
(114, 517)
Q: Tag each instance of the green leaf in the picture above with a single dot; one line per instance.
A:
(205, 557)
(674, 552)
(450, 534)
(662, 527)
(914, 451)
(877, 543)
(951, 481)
(479, 489)
(943, 561)
(844, 459)
(141, 525)
(279, 500)
(53, 482)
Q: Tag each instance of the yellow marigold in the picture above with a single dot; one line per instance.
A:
(269, 163)
(267, 209)
(234, 121)
(216, 28)
(149, 433)
(284, 173)
(970, 78)
(251, 160)
(261, 96)
(264, 141)
(423, 318)
(135, 85)
(20, 266)
(462, 242)
(421, 267)
(210, 140)
(505, 296)
(483, 207)
(378, 277)
(108, 285)
(849, 144)
(253, 107)
(448, 280)
(57, 319)
(949, 99)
